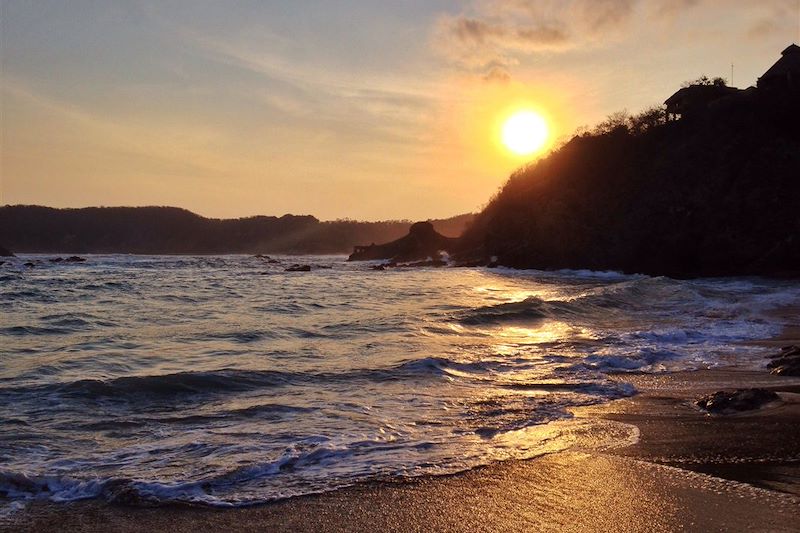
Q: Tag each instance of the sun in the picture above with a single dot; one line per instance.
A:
(525, 132)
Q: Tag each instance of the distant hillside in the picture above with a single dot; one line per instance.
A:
(714, 193)
(170, 230)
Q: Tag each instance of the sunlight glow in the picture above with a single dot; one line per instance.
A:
(525, 132)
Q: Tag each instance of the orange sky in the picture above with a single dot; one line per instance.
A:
(364, 110)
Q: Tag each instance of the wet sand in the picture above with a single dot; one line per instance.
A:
(688, 471)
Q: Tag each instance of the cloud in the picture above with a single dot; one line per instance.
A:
(777, 16)
(672, 8)
(491, 36)
(497, 74)
(471, 32)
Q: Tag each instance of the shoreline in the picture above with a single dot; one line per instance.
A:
(686, 470)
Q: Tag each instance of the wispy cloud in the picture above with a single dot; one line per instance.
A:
(491, 37)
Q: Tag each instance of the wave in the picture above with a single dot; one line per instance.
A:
(269, 411)
(23, 331)
(625, 298)
(211, 490)
(239, 337)
(226, 381)
(223, 381)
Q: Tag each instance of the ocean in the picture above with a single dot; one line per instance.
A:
(228, 381)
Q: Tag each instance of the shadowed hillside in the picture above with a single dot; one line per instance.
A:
(170, 230)
(714, 193)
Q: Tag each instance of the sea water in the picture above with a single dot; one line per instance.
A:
(228, 381)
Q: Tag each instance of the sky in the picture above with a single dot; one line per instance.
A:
(340, 109)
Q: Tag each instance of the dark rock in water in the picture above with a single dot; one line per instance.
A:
(29, 264)
(2, 263)
(56, 259)
(421, 243)
(267, 259)
(298, 268)
(738, 400)
(74, 259)
(5, 252)
(786, 362)
(325, 266)
(377, 267)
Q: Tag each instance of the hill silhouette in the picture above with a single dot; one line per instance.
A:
(171, 230)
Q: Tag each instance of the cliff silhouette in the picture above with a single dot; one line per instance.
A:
(715, 192)
(170, 230)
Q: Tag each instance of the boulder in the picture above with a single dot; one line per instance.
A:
(299, 268)
(722, 402)
(5, 252)
(74, 259)
(786, 362)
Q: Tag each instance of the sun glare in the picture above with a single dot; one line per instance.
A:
(524, 132)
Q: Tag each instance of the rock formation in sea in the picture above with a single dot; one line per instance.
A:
(738, 400)
(422, 242)
(786, 362)
(298, 268)
(5, 252)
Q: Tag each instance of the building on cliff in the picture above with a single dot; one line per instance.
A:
(784, 75)
(694, 100)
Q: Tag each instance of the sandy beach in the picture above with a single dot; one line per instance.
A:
(687, 471)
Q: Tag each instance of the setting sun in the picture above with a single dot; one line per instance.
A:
(525, 132)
